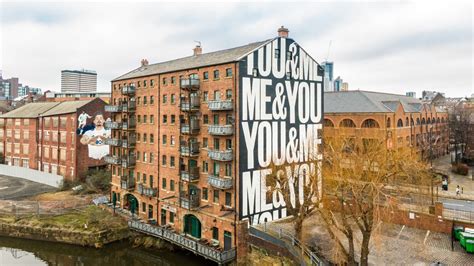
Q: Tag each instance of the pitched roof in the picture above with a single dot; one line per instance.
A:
(368, 102)
(195, 61)
(33, 110)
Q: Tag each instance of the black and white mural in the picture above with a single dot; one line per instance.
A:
(281, 110)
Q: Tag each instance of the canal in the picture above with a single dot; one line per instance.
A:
(14, 251)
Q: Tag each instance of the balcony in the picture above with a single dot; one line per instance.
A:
(147, 191)
(220, 155)
(113, 108)
(208, 252)
(127, 183)
(129, 125)
(220, 105)
(128, 162)
(110, 159)
(129, 143)
(190, 175)
(128, 90)
(112, 125)
(189, 149)
(219, 182)
(220, 130)
(192, 105)
(189, 84)
(129, 107)
(192, 128)
(190, 202)
(112, 142)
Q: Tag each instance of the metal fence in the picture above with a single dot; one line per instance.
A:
(458, 215)
(19, 208)
(286, 240)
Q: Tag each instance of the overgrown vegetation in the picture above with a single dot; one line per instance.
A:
(96, 181)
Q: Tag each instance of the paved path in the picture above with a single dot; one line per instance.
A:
(464, 182)
(461, 205)
(18, 188)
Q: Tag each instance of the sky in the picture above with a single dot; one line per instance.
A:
(394, 46)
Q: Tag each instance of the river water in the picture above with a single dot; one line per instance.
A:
(14, 251)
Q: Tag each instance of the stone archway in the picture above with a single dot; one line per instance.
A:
(130, 203)
(192, 225)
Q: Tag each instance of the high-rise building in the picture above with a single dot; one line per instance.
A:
(338, 84)
(411, 94)
(78, 81)
(193, 140)
(328, 75)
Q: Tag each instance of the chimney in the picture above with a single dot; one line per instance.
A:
(197, 50)
(283, 32)
(144, 62)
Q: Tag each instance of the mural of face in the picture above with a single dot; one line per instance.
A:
(99, 121)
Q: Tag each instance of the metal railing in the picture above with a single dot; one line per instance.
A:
(220, 155)
(189, 83)
(190, 202)
(219, 182)
(458, 215)
(286, 240)
(220, 105)
(189, 149)
(147, 191)
(19, 208)
(220, 130)
(129, 89)
(113, 108)
(110, 159)
(112, 125)
(112, 142)
(195, 246)
(190, 175)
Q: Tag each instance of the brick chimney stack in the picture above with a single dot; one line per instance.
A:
(283, 32)
(144, 62)
(197, 50)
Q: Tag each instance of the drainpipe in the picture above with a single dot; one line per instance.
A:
(235, 153)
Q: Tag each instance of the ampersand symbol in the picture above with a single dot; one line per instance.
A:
(278, 103)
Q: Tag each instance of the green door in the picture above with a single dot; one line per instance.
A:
(192, 226)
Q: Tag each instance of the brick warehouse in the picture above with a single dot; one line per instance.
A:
(189, 137)
(402, 121)
(44, 136)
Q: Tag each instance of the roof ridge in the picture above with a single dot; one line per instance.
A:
(372, 102)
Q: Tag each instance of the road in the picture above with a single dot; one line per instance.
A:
(18, 188)
(460, 205)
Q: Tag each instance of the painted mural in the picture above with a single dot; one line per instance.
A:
(93, 134)
(281, 109)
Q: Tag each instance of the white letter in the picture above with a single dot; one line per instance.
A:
(250, 99)
(250, 138)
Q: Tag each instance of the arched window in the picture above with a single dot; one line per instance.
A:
(389, 123)
(442, 119)
(412, 122)
(400, 123)
(328, 123)
(429, 121)
(418, 121)
(423, 121)
(406, 122)
(370, 123)
(438, 120)
(347, 123)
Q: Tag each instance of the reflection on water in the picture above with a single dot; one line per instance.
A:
(24, 252)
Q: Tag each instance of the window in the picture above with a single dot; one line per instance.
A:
(152, 100)
(152, 119)
(164, 81)
(205, 119)
(152, 82)
(171, 217)
(172, 163)
(205, 75)
(217, 95)
(205, 143)
(138, 100)
(145, 119)
(216, 196)
(139, 84)
(173, 119)
(151, 181)
(228, 72)
(228, 169)
(215, 233)
(152, 157)
(144, 137)
(144, 178)
(216, 143)
(228, 94)
(144, 83)
(163, 160)
(228, 144)
(216, 74)
(204, 193)
(152, 138)
(164, 139)
(205, 96)
(228, 119)
(138, 137)
(205, 167)
(172, 185)
(172, 140)
(139, 118)
(228, 199)
(143, 207)
(165, 98)
(216, 119)
(138, 156)
(163, 183)
(165, 119)
(173, 80)
(145, 157)
(173, 98)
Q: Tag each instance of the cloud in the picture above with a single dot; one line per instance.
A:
(392, 47)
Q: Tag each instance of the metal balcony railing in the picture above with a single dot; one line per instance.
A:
(220, 130)
(192, 128)
(129, 143)
(113, 108)
(220, 105)
(147, 191)
(190, 202)
(220, 155)
(189, 83)
(208, 252)
(128, 125)
(112, 125)
(110, 159)
(192, 104)
(129, 107)
(127, 183)
(190, 175)
(219, 182)
(128, 90)
(128, 162)
(112, 142)
(189, 149)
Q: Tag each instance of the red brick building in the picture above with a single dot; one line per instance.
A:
(45, 136)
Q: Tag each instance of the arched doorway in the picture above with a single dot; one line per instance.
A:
(192, 225)
(131, 203)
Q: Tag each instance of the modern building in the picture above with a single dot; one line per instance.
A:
(328, 75)
(26, 90)
(78, 81)
(52, 96)
(185, 153)
(9, 88)
(411, 94)
(345, 86)
(400, 120)
(338, 84)
(65, 138)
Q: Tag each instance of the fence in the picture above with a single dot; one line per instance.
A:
(32, 175)
(286, 240)
(19, 208)
(458, 215)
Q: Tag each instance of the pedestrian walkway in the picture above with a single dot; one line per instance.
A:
(466, 183)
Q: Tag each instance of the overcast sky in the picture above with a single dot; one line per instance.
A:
(390, 46)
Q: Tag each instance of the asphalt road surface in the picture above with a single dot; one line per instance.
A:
(460, 205)
(18, 188)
